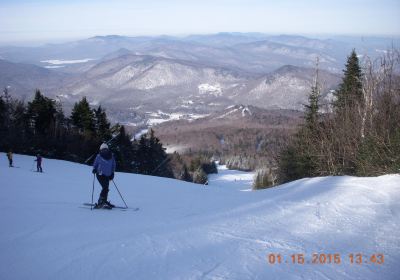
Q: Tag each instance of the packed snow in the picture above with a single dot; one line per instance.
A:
(189, 231)
(231, 179)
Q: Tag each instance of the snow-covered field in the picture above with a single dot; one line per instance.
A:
(187, 231)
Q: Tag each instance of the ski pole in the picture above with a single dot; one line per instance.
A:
(161, 164)
(91, 206)
(120, 194)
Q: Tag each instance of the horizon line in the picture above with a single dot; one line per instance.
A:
(66, 39)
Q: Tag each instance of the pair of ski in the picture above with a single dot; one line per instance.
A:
(92, 205)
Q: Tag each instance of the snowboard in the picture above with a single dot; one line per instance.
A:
(115, 207)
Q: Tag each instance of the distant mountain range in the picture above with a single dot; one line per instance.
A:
(248, 51)
(135, 77)
(23, 78)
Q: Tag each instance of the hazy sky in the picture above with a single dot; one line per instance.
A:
(29, 20)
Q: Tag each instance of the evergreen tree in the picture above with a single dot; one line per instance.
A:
(143, 156)
(41, 114)
(102, 126)
(350, 90)
(209, 167)
(13, 123)
(312, 108)
(82, 117)
(60, 121)
(2, 114)
(124, 151)
(18, 123)
(157, 156)
(299, 159)
(295, 162)
(5, 104)
(150, 156)
(4, 132)
(347, 118)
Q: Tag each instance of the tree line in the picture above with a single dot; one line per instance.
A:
(40, 126)
(358, 133)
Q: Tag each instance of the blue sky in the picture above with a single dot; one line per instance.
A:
(29, 20)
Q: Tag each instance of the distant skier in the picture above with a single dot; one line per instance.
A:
(104, 168)
(39, 163)
(10, 159)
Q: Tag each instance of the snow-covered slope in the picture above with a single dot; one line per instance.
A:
(287, 87)
(187, 231)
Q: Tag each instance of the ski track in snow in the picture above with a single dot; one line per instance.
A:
(188, 231)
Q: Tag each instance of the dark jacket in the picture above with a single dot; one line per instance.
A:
(39, 160)
(104, 163)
